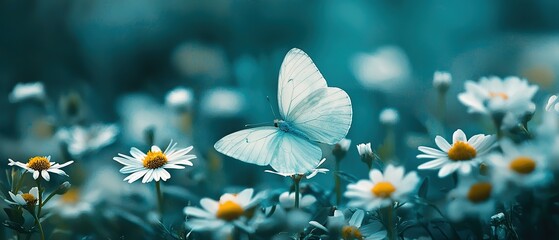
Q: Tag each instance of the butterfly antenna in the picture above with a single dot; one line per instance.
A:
(271, 108)
(257, 124)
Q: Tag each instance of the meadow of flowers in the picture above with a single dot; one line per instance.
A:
(217, 140)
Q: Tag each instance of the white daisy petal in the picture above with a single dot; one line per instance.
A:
(459, 136)
(432, 151)
(448, 169)
(442, 143)
(437, 163)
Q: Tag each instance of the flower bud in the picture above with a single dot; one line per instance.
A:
(442, 81)
(63, 188)
(341, 148)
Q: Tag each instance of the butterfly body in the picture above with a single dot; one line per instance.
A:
(311, 113)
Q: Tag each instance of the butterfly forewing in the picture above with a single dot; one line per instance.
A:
(298, 78)
(324, 116)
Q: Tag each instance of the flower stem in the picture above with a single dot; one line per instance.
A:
(38, 215)
(441, 108)
(337, 182)
(159, 198)
(388, 212)
(296, 180)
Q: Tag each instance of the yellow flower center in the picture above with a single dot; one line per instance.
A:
(38, 163)
(154, 160)
(71, 196)
(479, 192)
(351, 232)
(502, 95)
(523, 165)
(461, 151)
(229, 211)
(383, 189)
(29, 198)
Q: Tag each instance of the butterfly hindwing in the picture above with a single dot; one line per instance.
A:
(324, 116)
(255, 145)
(295, 155)
(298, 78)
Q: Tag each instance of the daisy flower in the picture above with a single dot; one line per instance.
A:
(552, 104)
(353, 227)
(40, 165)
(389, 116)
(382, 189)
(472, 198)
(23, 91)
(462, 155)
(151, 166)
(493, 94)
(287, 200)
(222, 215)
(524, 165)
(74, 203)
(87, 139)
(180, 98)
(25, 199)
(309, 174)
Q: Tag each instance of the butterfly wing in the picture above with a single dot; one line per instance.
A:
(295, 155)
(255, 145)
(324, 116)
(320, 112)
(298, 78)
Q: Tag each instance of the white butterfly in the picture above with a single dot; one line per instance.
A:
(311, 113)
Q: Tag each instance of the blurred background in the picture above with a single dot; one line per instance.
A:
(116, 61)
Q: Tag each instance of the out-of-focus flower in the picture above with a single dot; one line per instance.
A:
(287, 200)
(25, 199)
(341, 148)
(74, 203)
(222, 102)
(140, 112)
(463, 155)
(442, 81)
(40, 165)
(151, 166)
(472, 198)
(386, 69)
(180, 98)
(382, 189)
(23, 91)
(81, 140)
(231, 210)
(353, 227)
(309, 175)
(494, 96)
(198, 60)
(525, 165)
(389, 116)
(552, 104)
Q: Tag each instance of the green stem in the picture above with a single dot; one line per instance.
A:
(296, 180)
(390, 222)
(38, 215)
(337, 182)
(441, 108)
(40, 227)
(159, 198)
